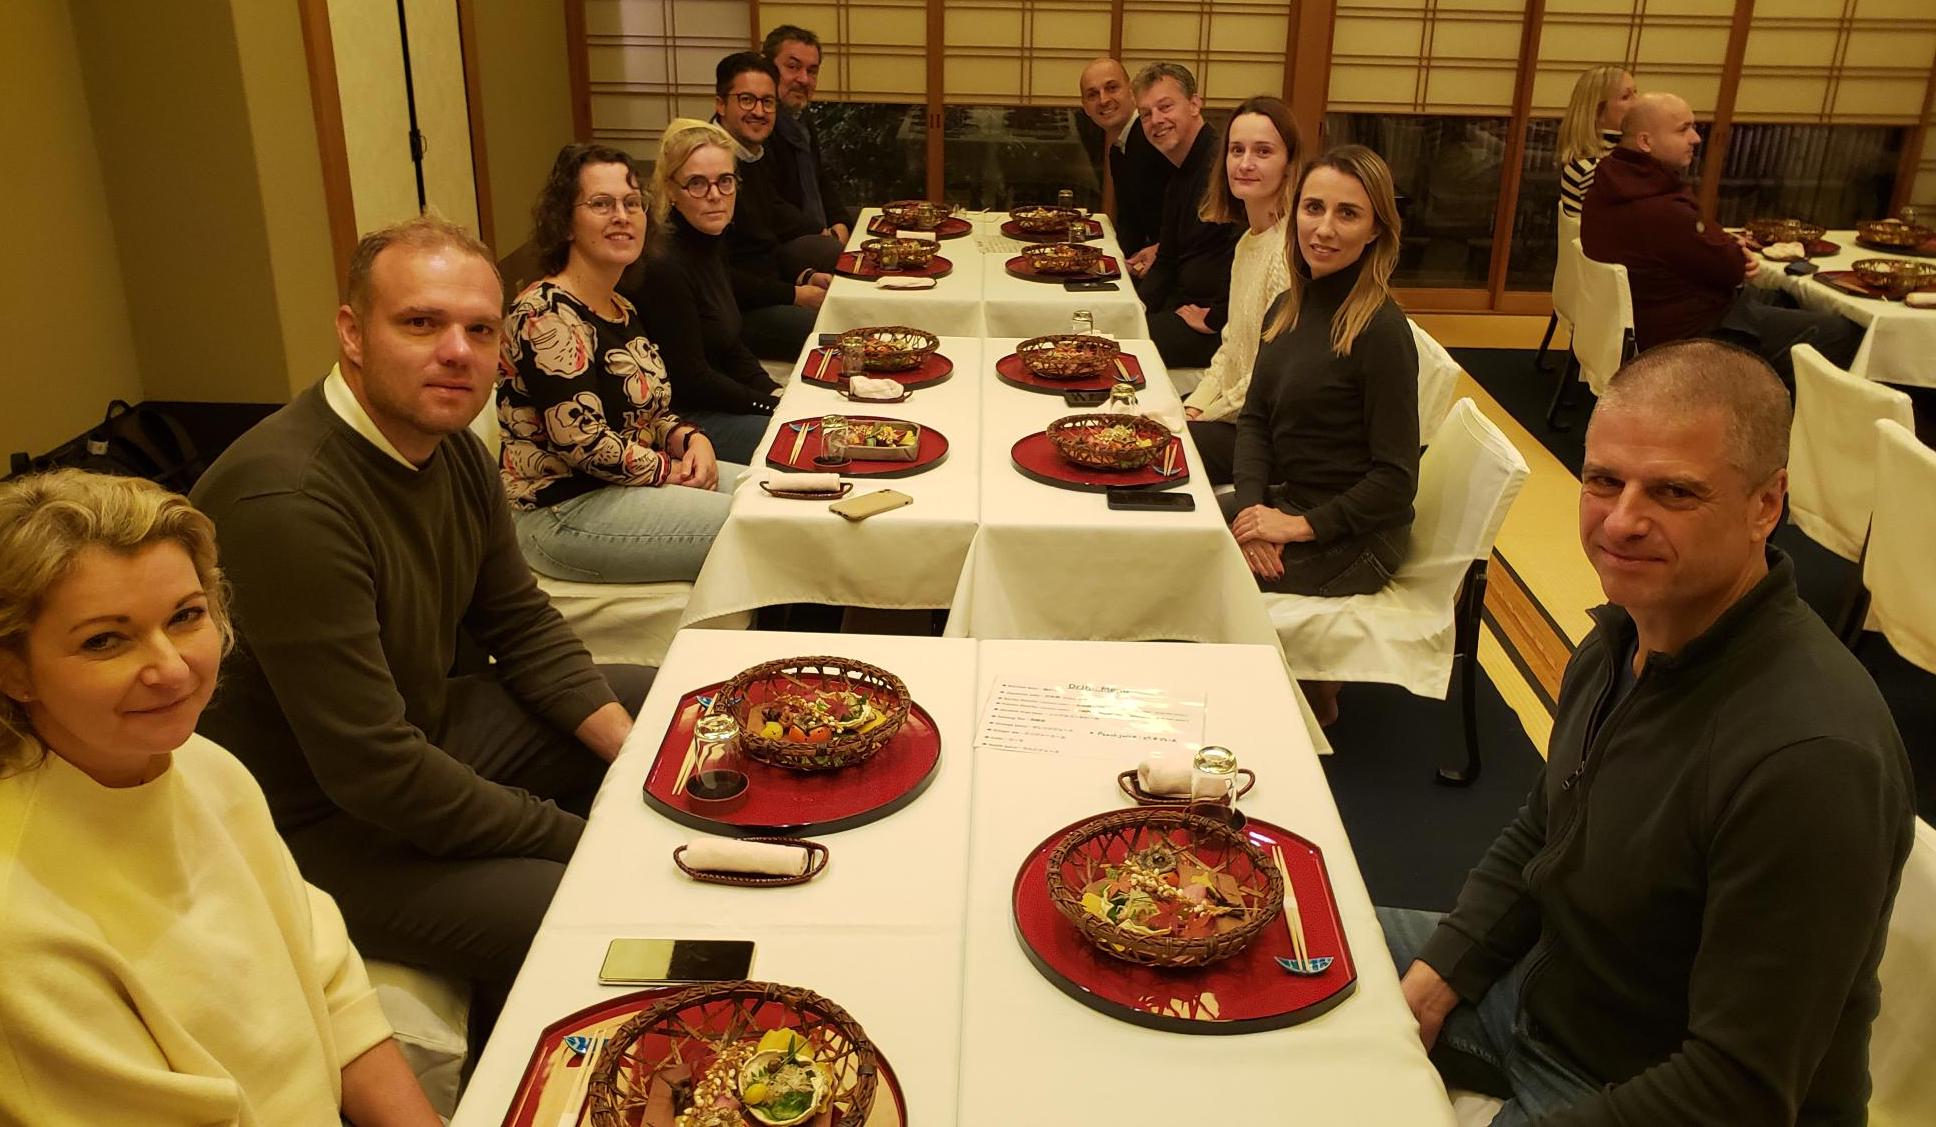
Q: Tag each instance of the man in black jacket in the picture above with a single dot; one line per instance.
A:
(799, 172)
(1137, 172)
(780, 261)
(1683, 923)
(1187, 290)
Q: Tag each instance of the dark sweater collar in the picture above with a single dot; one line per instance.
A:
(1632, 175)
(1329, 291)
(1775, 590)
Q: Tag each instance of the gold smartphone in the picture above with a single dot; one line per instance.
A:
(863, 505)
(648, 962)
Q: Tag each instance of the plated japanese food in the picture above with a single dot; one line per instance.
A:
(917, 215)
(816, 716)
(775, 1081)
(1041, 220)
(1895, 277)
(816, 713)
(899, 254)
(1109, 442)
(1062, 258)
(1068, 356)
(886, 440)
(893, 348)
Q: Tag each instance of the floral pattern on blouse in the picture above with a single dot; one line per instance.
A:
(583, 402)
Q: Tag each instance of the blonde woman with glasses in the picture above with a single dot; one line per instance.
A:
(684, 293)
(166, 964)
(1591, 128)
(1261, 151)
(606, 483)
(1327, 442)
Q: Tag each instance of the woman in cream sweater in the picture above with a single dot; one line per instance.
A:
(1261, 152)
(165, 962)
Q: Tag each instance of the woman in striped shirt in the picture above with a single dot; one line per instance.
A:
(1590, 129)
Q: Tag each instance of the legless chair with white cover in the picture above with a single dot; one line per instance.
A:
(1903, 1041)
(1603, 328)
(1902, 542)
(1832, 450)
(1426, 620)
(1438, 373)
(1566, 285)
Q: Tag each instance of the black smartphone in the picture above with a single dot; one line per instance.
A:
(647, 962)
(1090, 285)
(1801, 267)
(1144, 500)
(1094, 398)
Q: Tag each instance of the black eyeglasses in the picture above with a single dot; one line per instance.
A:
(749, 101)
(697, 186)
(609, 205)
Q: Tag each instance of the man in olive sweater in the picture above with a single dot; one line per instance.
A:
(1683, 923)
(362, 527)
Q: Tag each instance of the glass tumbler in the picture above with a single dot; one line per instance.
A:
(1213, 783)
(1082, 322)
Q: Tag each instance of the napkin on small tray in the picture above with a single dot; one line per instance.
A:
(1920, 300)
(804, 482)
(873, 387)
(1164, 775)
(904, 282)
(725, 855)
(1784, 252)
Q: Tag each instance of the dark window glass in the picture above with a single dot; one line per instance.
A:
(1834, 175)
(1535, 237)
(877, 151)
(1006, 156)
(1446, 171)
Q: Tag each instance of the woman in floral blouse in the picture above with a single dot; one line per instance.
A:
(605, 482)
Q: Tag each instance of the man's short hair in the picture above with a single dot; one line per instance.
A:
(1151, 74)
(738, 63)
(425, 232)
(1692, 377)
(787, 33)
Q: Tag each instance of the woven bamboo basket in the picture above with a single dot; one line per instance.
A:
(1897, 277)
(1075, 437)
(1893, 233)
(893, 348)
(665, 1047)
(916, 215)
(746, 693)
(1044, 220)
(1108, 839)
(1068, 357)
(899, 254)
(1062, 258)
(1767, 232)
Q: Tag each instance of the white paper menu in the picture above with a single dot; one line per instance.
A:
(1120, 722)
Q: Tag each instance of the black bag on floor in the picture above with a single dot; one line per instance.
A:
(131, 441)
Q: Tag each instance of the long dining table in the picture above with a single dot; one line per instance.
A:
(1898, 342)
(910, 928)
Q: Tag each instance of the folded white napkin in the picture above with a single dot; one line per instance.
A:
(1164, 774)
(724, 855)
(902, 282)
(1784, 252)
(804, 482)
(910, 233)
(1169, 414)
(873, 387)
(1920, 301)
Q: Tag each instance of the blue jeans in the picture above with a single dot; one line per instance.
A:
(628, 534)
(1491, 1046)
(735, 437)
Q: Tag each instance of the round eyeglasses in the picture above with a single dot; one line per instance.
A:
(698, 186)
(609, 205)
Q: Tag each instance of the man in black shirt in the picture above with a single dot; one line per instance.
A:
(779, 259)
(1187, 290)
(1137, 172)
(799, 172)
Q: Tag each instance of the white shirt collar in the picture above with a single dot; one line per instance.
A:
(336, 391)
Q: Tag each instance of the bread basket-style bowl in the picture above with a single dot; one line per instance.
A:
(893, 348)
(1768, 232)
(761, 698)
(1895, 277)
(1893, 233)
(1062, 258)
(917, 215)
(898, 254)
(1098, 869)
(1041, 219)
(1103, 441)
(1066, 356)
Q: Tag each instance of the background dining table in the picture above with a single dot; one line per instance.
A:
(952, 308)
(1898, 343)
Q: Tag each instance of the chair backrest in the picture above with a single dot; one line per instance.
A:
(485, 425)
(1467, 480)
(1904, 1035)
(1566, 269)
(1603, 329)
(1832, 449)
(1437, 372)
(1902, 541)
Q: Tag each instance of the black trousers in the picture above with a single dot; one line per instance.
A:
(1216, 448)
(1180, 345)
(466, 917)
(1770, 322)
(1346, 565)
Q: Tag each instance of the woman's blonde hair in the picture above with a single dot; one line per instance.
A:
(1373, 287)
(47, 521)
(682, 138)
(1580, 128)
(1219, 203)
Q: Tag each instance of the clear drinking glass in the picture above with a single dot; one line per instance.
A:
(853, 357)
(1082, 322)
(1213, 783)
(1066, 198)
(833, 438)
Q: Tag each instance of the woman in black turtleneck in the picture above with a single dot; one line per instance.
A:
(685, 300)
(1327, 442)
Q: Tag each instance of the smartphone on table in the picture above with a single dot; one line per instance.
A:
(1143, 500)
(650, 962)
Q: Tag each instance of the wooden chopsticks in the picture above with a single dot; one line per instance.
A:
(1292, 917)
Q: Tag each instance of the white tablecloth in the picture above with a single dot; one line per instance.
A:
(1057, 563)
(951, 309)
(1899, 346)
(1032, 1056)
(1016, 307)
(774, 551)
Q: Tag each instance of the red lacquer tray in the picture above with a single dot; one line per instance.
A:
(1921, 250)
(1013, 372)
(1848, 283)
(550, 1079)
(1107, 268)
(952, 227)
(1246, 993)
(1035, 457)
(787, 803)
(851, 265)
(823, 369)
(931, 452)
(1014, 231)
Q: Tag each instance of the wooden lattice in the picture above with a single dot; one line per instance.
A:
(893, 348)
(1068, 357)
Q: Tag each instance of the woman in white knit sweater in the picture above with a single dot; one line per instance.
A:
(1261, 152)
(165, 962)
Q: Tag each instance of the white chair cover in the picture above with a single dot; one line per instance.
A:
(1903, 1040)
(1566, 270)
(1832, 450)
(1403, 634)
(1185, 380)
(629, 623)
(1902, 542)
(1437, 373)
(1604, 317)
(430, 1015)
(484, 426)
